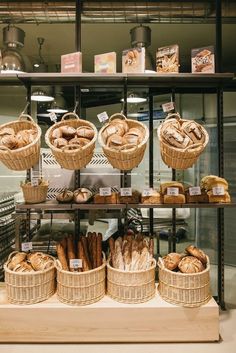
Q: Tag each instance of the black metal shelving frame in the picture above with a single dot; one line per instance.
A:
(178, 83)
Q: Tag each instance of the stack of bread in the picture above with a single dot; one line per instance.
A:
(193, 261)
(73, 138)
(216, 189)
(132, 253)
(12, 140)
(31, 262)
(172, 192)
(88, 249)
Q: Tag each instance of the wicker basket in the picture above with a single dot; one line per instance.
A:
(185, 289)
(25, 157)
(125, 159)
(29, 287)
(72, 159)
(34, 194)
(178, 158)
(131, 287)
(81, 288)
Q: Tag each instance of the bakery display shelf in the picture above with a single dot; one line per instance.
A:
(9, 79)
(107, 321)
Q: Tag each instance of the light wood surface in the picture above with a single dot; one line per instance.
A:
(107, 321)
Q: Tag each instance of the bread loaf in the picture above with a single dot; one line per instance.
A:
(94, 250)
(171, 184)
(68, 132)
(57, 133)
(190, 264)
(70, 251)
(219, 198)
(62, 257)
(210, 181)
(6, 131)
(118, 258)
(172, 260)
(196, 252)
(17, 259)
(106, 199)
(87, 261)
(194, 131)
(111, 243)
(174, 199)
(85, 131)
(9, 141)
(99, 250)
(60, 142)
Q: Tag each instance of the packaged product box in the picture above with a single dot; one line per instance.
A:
(105, 63)
(167, 59)
(133, 60)
(71, 63)
(203, 60)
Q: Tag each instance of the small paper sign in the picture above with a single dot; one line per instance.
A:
(147, 192)
(167, 107)
(75, 263)
(53, 117)
(195, 190)
(172, 191)
(102, 117)
(34, 181)
(27, 246)
(105, 191)
(125, 191)
(218, 190)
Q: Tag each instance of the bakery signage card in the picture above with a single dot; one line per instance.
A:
(125, 191)
(147, 192)
(218, 190)
(71, 63)
(105, 191)
(203, 60)
(195, 190)
(27, 246)
(133, 60)
(102, 117)
(76, 263)
(105, 63)
(172, 191)
(167, 59)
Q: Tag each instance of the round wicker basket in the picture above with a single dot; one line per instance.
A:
(34, 194)
(25, 157)
(29, 287)
(72, 159)
(178, 158)
(185, 289)
(125, 159)
(131, 287)
(81, 288)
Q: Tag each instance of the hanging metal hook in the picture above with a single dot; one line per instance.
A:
(25, 108)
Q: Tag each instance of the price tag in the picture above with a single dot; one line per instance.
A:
(75, 263)
(27, 246)
(105, 191)
(218, 190)
(172, 191)
(147, 192)
(167, 107)
(34, 181)
(53, 117)
(125, 191)
(102, 117)
(195, 190)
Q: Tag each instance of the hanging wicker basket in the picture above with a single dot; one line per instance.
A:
(29, 287)
(72, 157)
(180, 158)
(184, 289)
(25, 157)
(125, 159)
(34, 194)
(131, 287)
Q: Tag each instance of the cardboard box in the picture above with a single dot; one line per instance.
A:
(71, 63)
(133, 60)
(105, 63)
(203, 60)
(167, 59)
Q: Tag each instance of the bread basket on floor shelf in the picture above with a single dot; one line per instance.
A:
(35, 194)
(81, 288)
(72, 156)
(26, 157)
(131, 287)
(129, 155)
(181, 141)
(184, 289)
(29, 287)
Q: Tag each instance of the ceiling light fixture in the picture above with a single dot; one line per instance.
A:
(59, 104)
(134, 98)
(41, 96)
(40, 66)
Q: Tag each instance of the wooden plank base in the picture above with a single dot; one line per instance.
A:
(107, 321)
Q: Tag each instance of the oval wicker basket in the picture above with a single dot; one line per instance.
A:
(29, 287)
(125, 159)
(178, 158)
(25, 157)
(76, 158)
(81, 288)
(185, 289)
(131, 287)
(34, 194)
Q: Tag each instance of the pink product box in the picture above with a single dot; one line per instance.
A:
(71, 63)
(105, 63)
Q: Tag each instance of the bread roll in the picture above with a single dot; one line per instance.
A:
(172, 260)
(23, 267)
(108, 131)
(175, 137)
(60, 142)
(40, 261)
(190, 264)
(65, 196)
(16, 259)
(85, 131)
(81, 141)
(194, 131)
(120, 125)
(57, 133)
(115, 141)
(68, 132)
(82, 195)
(7, 131)
(131, 139)
(196, 252)
(9, 141)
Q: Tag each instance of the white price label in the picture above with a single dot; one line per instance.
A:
(167, 107)
(147, 192)
(195, 190)
(102, 117)
(53, 117)
(105, 191)
(172, 191)
(125, 191)
(75, 263)
(218, 190)
(34, 181)
(27, 246)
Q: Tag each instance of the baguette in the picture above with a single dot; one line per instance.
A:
(94, 250)
(62, 257)
(118, 261)
(111, 243)
(82, 256)
(99, 250)
(70, 251)
(151, 247)
(86, 253)
(127, 255)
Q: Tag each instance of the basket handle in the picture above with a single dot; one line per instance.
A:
(58, 264)
(173, 115)
(72, 147)
(161, 263)
(4, 148)
(133, 147)
(117, 116)
(67, 115)
(193, 146)
(26, 117)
